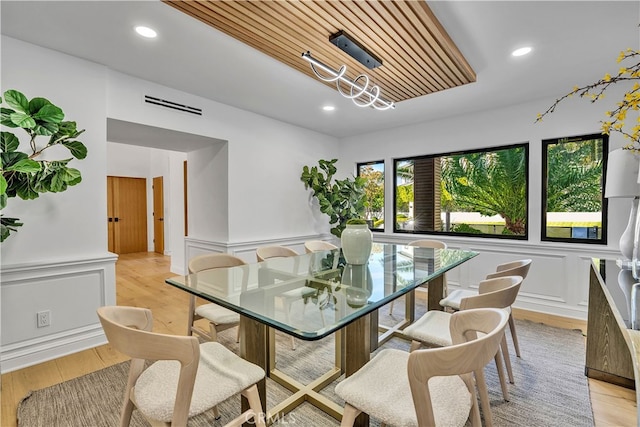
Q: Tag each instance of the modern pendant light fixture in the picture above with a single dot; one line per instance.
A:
(359, 91)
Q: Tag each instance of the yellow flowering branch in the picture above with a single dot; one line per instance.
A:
(615, 121)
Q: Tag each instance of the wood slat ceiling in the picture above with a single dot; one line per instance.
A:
(418, 56)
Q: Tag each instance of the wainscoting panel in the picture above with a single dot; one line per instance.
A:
(70, 291)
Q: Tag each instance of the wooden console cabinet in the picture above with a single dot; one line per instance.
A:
(613, 347)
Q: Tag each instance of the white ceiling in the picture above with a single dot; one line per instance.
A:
(574, 42)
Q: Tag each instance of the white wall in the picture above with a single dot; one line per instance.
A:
(558, 280)
(208, 193)
(58, 261)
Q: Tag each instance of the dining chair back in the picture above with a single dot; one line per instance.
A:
(499, 292)
(428, 243)
(318, 245)
(266, 252)
(210, 261)
(513, 268)
(166, 391)
(219, 318)
(437, 387)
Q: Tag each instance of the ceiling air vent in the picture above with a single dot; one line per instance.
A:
(173, 105)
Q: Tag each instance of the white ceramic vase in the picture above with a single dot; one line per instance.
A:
(356, 243)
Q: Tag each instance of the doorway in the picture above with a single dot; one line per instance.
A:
(158, 215)
(127, 214)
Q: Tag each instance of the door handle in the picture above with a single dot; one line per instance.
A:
(116, 219)
(160, 219)
(110, 219)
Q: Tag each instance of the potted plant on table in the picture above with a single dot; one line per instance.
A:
(341, 200)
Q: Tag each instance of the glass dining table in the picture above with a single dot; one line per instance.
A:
(312, 296)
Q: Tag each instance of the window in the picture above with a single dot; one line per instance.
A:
(472, 193)
(373, 174)
(573, 203)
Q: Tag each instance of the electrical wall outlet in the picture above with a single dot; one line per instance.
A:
(43, 318)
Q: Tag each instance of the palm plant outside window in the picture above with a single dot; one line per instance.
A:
(476, 193)
(574, 207)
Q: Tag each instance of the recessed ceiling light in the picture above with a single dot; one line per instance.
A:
(146, 32)
(328, 108)
(521, 51)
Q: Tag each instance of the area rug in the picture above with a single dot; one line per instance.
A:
(550, 387)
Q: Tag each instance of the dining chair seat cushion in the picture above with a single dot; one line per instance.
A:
(453, 299)
(221, 374)
(217, 314)
(381, 389)
(432, 328)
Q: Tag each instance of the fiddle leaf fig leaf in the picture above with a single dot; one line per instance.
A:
(11, 158)
(3, 189)
(46, 129)
(23, 120)
(17, 101)
(8, 142)
(25, 166)
(3, 201)
(71, 176)
(49, 113)
(26, 190)
(36, 104)
(77, 148)
(5, 117)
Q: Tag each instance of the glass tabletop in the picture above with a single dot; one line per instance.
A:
(312, 295)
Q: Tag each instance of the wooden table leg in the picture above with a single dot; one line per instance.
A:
(358, 349)
(436, 293)
(254, 348)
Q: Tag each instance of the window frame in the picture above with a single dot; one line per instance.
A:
(544, 187)
(384, 189)
(525, 236)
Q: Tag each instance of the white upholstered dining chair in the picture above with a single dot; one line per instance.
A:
(186, 378)
(431, 386)
(219, 318)
(431, 330)
(513, 268)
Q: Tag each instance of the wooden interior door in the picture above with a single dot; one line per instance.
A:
(110, 215)
(127, 198)
(158, 215)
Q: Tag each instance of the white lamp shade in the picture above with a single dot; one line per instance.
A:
(622, 174)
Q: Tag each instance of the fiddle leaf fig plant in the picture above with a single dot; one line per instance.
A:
(23, 174)
(341, 200)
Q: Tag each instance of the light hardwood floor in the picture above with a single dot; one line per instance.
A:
(140, 282)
